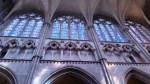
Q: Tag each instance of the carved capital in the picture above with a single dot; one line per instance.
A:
(90, 27)
(47, 23)
(37, 56)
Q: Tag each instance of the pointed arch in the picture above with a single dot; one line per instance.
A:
(68, 27)
(12, 43)
(138, 74)
(75, 71)
(139, 31)
(8, 75)
(24, 24)
(106, 30)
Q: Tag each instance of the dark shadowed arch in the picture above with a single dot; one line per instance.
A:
(6, 76)
(136, 75)
(74, 72)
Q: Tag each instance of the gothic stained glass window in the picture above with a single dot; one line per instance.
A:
(107, 31)
(139, 32)
(25, 25)
(68, 27)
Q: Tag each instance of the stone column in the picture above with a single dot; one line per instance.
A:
(100, 54)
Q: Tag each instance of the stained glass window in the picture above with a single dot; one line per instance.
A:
(68, 27)
(107, 31)
(139, 32)
(25, 25)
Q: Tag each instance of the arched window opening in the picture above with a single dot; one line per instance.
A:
(135, 76)
(71, 75)
(67, 79)
(52, 51)
(26, 51)
(9, 50)
(131, 54)
(134, 80)
(68, 27)
(139, 32)
(6, 76)
(107, 31)
(24, 25)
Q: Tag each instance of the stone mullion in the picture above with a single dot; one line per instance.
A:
(42, 39)
(100, 56)
(138, 45)
(34, 63)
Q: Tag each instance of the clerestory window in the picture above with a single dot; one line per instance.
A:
(107, 31)
(139, 32)
(68, 27)
(24, 25)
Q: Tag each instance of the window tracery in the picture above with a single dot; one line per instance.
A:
(24, 25)
(107, 31)
(68, 27)
(139, 32)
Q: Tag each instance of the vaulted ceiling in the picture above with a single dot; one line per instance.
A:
(118, 10)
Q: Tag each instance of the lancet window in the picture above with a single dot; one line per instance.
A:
(68, 27)
(107, 31)
(24, 25)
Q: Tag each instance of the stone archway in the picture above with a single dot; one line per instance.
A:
(71, 75)
(134, 80)
(69, 79)
(135, 76)
(6, 76)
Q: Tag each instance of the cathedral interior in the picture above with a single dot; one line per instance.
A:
(74, 42)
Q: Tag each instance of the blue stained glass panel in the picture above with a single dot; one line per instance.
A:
(139, 35)
(111, 32)
(134, 35)
(25, 34)
(98, 31)
(29, 28)
(118, 34)
(6, 33)
(55, 30)
(12, 24)
(17, 26)
(74, 31)
(64, 31)
(105, 33)
(142, 31)
(68, 27)
(82, 32)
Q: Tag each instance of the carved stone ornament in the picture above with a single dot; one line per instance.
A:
(127, 48)
(12, 44)
(29, 44)
(53, 45)
(70, 46)
(86, 46)
(109, 47)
